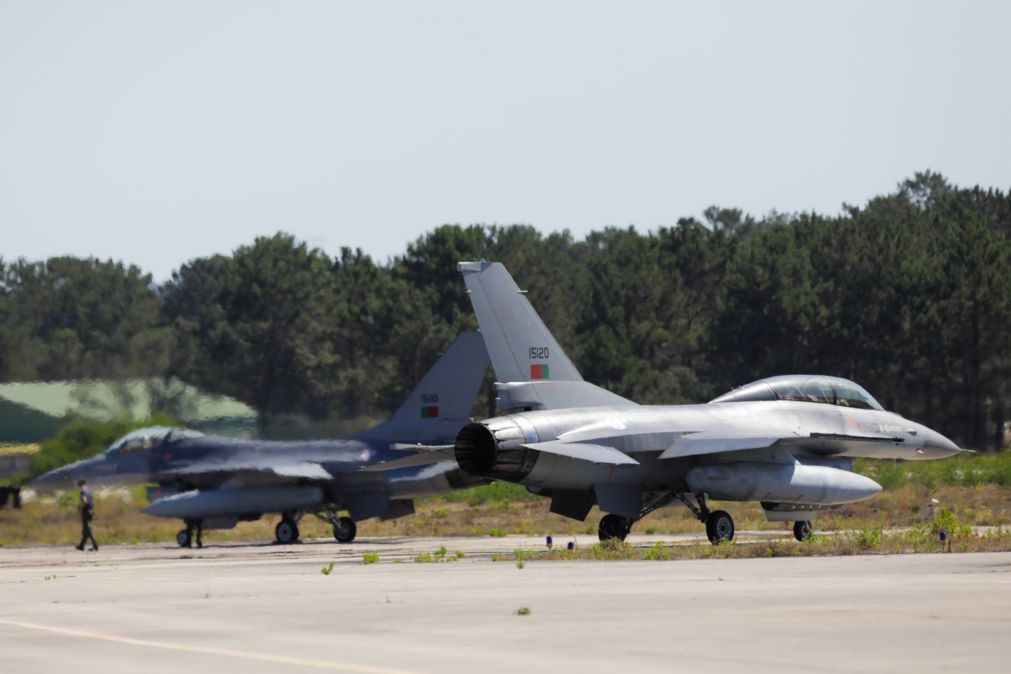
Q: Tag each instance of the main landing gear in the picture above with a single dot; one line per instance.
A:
(613, 526)
(802, 530)
(286, 531)
(185, 536)
(719, 523)
(344, 528)
(719, 527)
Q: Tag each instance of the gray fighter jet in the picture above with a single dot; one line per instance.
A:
(787, 442)
(215, 482)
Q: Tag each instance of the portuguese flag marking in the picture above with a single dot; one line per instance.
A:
(539, 371)
(430, 412)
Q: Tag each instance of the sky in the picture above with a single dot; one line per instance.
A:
(156, 133)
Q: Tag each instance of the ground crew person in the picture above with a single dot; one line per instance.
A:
(86, 506)
(190, 526)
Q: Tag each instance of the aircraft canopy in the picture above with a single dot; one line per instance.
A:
(805, 388)
(153, 436)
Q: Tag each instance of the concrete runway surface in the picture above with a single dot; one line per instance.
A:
(266, 608)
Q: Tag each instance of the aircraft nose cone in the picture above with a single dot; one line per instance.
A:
(66, 477)
(54, 479)
(939, 446)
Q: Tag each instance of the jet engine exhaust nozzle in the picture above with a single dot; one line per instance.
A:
(494, 449)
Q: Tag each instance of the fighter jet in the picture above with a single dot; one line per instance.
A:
(214, 482)
(787, 442)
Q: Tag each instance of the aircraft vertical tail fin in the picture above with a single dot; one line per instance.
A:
(520, 346)
(534, 370)
(443, 399)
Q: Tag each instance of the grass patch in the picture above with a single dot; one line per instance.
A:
(441, 554)
(964, 470)
(867, 538)
(495, 492)
(370, 558)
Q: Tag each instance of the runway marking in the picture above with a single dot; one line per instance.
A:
(204, 650)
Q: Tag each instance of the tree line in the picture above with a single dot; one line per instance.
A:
(909, 295)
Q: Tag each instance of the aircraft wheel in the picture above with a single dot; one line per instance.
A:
(719, 527)
(613, 526)
(286, 532)
(345, 530)
(802, 530)
(183, 539)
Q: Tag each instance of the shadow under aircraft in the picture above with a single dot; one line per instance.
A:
(787, 442)
(214, 482)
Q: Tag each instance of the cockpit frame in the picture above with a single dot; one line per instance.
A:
(151, 436)
(804, 388)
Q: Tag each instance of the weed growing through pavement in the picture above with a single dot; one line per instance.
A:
(440, 555)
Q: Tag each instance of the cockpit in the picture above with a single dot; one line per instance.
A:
(804, 388)
(153, 436)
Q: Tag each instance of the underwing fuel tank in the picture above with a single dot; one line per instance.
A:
(236, 501)
(781, 483)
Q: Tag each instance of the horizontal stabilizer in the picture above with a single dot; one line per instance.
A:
(585, 452)
(424, 457)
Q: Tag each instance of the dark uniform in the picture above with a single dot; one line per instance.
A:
(86, 506)
(190, 526)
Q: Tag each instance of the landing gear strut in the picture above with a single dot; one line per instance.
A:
(286, 531)
(802, 530)
(719, 523)
(344, 530)
(613, 526)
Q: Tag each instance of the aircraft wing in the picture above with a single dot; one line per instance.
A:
(293, 470)
(696, 444)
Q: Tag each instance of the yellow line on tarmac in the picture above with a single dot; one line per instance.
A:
(204, 650)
